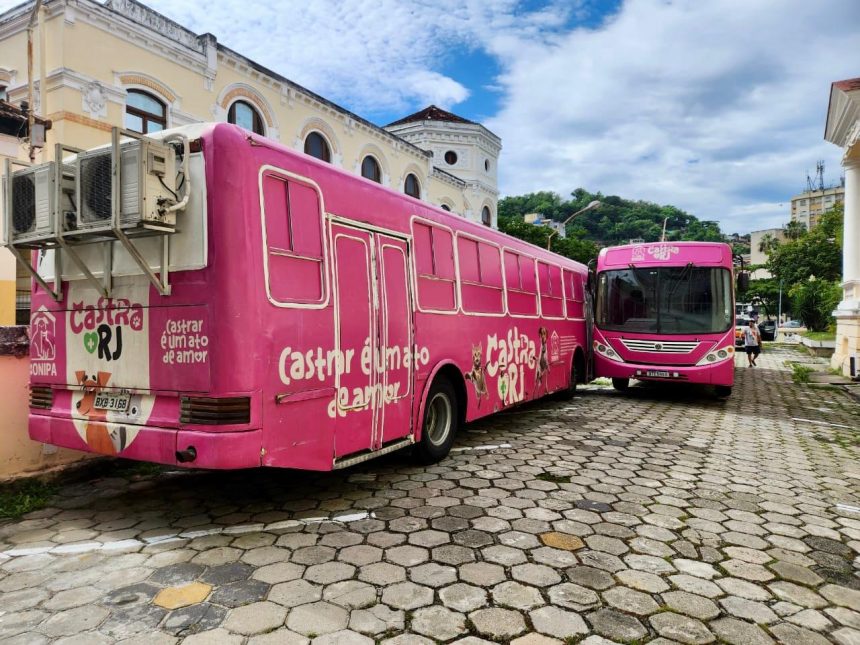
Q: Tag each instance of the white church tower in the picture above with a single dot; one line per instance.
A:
(462, 148)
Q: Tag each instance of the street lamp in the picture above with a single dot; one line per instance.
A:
(590, 207)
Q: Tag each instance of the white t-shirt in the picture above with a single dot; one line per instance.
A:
(750, 337)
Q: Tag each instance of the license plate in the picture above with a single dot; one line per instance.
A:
(112, 401)
(657, 373)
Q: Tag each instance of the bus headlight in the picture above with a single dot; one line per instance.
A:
(607, 352)
(722, 354)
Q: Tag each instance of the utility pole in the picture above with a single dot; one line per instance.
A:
(31, 116)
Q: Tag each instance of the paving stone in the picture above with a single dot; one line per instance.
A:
(747, 570)
(329, 572)
(811, 619)
(516, 595)
(256, 618)
(462, 597)
(590, 577)
(844, 616)
(748, 610)
(630, 601)
(695, 585)
(564, 541)
(794, 635)
(498, 624)
(182, 596)
(841, 596)
(407, 595)
(343, 637)
(796, 594)
(531, 639)
(796, 573)
(616, 626)
(695, 568)
(177, 574)
(642, 580)
(433, 575)
(214, 637)
(535, 574)
(242, 592)
(295, 593)
(573, 596)
(438, 623)
(377, 619)
(738, 632)
(846, 636)
(227, 573)
(317, 618)
(191, 620)
(278, 572)
(381, 573)
(132, 620)
(691, 605)
(558, 622)
(681, 628)
(350, 594)
(72, 621)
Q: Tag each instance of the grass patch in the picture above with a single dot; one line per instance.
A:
(800, 373)
(22, 497)
(555, 479)
(820, 335)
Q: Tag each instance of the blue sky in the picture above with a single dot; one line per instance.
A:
(714, 106)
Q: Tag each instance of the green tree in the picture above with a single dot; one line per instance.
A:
(766, 292)
(814, 253)
(814, 302)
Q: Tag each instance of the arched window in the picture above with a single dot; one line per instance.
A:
(486, 216)
(411, 186)
(445, 207)
(317, 146)
(246, 116)
(144, 113)
(370, 169)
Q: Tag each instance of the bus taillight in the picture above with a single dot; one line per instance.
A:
(205, 410)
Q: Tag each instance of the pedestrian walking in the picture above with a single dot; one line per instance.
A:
(752, 342)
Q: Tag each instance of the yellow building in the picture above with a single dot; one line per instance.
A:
(123, 64)
(808, 207)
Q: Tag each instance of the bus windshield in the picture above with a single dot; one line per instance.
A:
(665, 300)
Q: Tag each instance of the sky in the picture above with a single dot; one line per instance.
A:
(714, 106)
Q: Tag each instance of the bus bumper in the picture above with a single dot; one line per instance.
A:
(722, 373)
(216, 450)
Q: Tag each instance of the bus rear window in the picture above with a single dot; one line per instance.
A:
(520, 282)
(480, 276)
(434, 266)
(551, 304)
(294, 252)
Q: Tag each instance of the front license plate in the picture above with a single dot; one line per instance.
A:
(112, 401)
(657, 373)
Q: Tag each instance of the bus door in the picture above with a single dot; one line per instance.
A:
(373, 319)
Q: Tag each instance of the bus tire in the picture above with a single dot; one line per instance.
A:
(439, 425)
(621, 384)
(570, 391)
(723, 391)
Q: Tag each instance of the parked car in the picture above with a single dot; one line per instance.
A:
(741, 323)
(767, 329)
(792, 324)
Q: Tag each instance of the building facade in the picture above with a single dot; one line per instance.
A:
(843, 129)
(809, 206)
(759, 255)
(122, 64)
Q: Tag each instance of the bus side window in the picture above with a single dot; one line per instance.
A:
(573, 293)
(551, 302)
(294, 253)
(520, 282)
(480, 276)
(434, 266)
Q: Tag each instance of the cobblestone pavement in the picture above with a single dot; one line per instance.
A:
(662, 515)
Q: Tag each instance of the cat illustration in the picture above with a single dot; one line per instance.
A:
(477, 374)
(98, 436)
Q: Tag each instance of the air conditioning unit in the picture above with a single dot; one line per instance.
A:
(36, 204)
(147, 187)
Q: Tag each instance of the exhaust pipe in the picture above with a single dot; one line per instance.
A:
(186, 456)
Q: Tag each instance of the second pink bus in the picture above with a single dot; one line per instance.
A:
(665, 312)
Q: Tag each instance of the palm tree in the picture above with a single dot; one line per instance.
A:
(794, 229)
(767, 244)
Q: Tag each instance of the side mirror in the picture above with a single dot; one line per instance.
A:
(743, 281)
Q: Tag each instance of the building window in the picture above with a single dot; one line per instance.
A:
(445, 207)
(370, 169)
(411, 186)
(487, 165)
(450, 157)
(317, 146)
(486, 217)
(245, 116)
(144, 113)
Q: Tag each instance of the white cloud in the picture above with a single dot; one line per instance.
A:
(715, 107)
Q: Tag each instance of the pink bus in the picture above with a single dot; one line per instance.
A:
(665, 312)
(305, 317)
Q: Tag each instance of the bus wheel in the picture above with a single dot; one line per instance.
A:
(621, 384)
(723, 391)
(571, 389)
(439, 424)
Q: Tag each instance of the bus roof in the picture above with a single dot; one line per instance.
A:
(666, 254)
